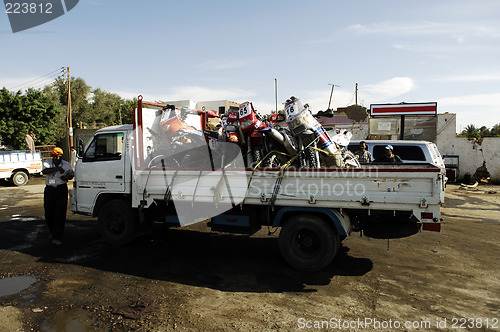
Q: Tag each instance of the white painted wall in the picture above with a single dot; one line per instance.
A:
(198, 105)
(471, 153)
(359, 131)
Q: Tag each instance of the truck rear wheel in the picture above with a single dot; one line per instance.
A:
(308, 243)
(116, 222)
(19, 178)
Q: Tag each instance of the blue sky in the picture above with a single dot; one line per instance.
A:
(396, 50)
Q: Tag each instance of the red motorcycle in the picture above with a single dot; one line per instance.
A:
(230, 127)
(263, 140)
(251, 127)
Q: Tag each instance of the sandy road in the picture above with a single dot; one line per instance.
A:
(192, 279)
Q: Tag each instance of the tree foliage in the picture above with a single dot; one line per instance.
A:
(45, 111)
(472, 131)
(31, 110)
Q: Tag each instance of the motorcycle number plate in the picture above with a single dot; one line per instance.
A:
(291, 112)
(245, 110)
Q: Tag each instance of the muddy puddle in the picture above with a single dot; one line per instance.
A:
(75, 320)
(14, 285)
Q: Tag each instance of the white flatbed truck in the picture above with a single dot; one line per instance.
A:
(116, 181)
(17, 166)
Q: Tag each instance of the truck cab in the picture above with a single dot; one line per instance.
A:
(103, 168)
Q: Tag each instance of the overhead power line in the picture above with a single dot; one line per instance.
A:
(35, 82)
(43, 83)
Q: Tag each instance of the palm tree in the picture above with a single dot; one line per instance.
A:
(471, 132)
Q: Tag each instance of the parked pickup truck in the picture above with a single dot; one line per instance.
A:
(127, 180)
(16, 166)
(418, 152)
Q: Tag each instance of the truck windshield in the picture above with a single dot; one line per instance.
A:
(105, 147)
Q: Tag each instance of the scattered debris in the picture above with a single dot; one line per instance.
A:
(481, 174)
(464, 186)
(137, 309)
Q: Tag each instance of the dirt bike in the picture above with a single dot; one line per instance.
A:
(263, 140)
(176, 144)
(315, 144)
(230, 128)
(342, 140)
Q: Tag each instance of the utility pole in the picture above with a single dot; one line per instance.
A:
(276, 93)
(331, 94)
(356, 93)
(70, 122)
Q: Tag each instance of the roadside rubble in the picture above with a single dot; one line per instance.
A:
(475, 188)
(136, 310)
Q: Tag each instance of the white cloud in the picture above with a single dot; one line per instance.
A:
(130, 95)
(196, 93)
(383, 91)
(425, 47)
(491, 100)
(264, 107)
(23, 83)
(479, 109)
(438, 37)
(388, 89)
(222, 65)
(470, 78)
(456, 31)
(318, 100)
(201, 93)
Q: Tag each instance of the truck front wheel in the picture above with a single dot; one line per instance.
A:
(116, 222)
(19, 178)
(308, 243)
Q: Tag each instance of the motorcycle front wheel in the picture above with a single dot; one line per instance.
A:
(312, 157)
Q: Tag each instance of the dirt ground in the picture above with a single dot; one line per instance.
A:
(192, 279)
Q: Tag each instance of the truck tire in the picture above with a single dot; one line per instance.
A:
(308, 243)
(19, 178)
(116, 222)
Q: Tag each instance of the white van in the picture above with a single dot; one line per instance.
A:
(415, 152)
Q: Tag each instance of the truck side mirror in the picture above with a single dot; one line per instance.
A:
(79, 150)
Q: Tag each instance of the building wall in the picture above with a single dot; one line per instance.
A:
(471, 153)
(359, 131)
(198, 105)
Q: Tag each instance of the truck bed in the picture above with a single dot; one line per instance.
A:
(416, 188)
